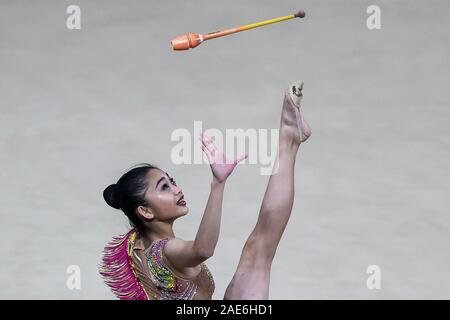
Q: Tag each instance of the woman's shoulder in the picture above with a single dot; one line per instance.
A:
(157, 246)
(162, 275)
(159, 260)
(160, 250)
(173, 282)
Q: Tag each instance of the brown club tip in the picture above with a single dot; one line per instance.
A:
(300, 14)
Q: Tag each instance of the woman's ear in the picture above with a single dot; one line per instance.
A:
(145, 212)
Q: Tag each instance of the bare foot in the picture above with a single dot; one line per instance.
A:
(293, 128)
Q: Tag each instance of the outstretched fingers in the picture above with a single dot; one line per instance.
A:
(207, 142)
(208, 148)
(208, 153)
(215, 155)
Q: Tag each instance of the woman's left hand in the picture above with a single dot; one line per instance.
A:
(221, 166)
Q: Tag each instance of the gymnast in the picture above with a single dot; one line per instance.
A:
(151, 263)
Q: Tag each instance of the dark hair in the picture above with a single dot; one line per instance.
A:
(129, 192)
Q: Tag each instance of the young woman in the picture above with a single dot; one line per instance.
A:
(149, 262)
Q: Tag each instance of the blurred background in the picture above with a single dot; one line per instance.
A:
(80, 107)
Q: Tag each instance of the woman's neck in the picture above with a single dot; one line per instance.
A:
(158, 230)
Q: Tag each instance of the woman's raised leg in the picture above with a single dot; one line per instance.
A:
(252, 277)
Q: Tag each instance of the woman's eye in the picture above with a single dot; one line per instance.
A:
(165, 186)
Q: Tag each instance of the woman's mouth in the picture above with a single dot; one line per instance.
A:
(181, 202)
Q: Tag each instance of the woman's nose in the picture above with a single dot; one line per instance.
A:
(177, 189)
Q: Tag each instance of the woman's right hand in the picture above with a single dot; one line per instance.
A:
(221, 166)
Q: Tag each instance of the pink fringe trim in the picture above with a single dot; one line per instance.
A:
(117, 269)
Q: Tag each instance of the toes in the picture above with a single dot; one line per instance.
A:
(295, 92)
(296, 88)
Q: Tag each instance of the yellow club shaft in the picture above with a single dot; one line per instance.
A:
(265, 22)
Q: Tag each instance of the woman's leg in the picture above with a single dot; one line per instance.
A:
(252, 277)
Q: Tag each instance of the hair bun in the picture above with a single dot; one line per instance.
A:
(111, 196)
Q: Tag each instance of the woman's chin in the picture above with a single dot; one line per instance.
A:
(184, 210)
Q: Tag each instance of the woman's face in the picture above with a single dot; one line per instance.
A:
(165, 197)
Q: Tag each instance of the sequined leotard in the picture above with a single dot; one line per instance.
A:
(135, 272)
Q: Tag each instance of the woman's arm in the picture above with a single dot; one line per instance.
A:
(183, 254)
(208, 232)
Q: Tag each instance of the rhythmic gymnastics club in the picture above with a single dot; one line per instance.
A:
(192, 40)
